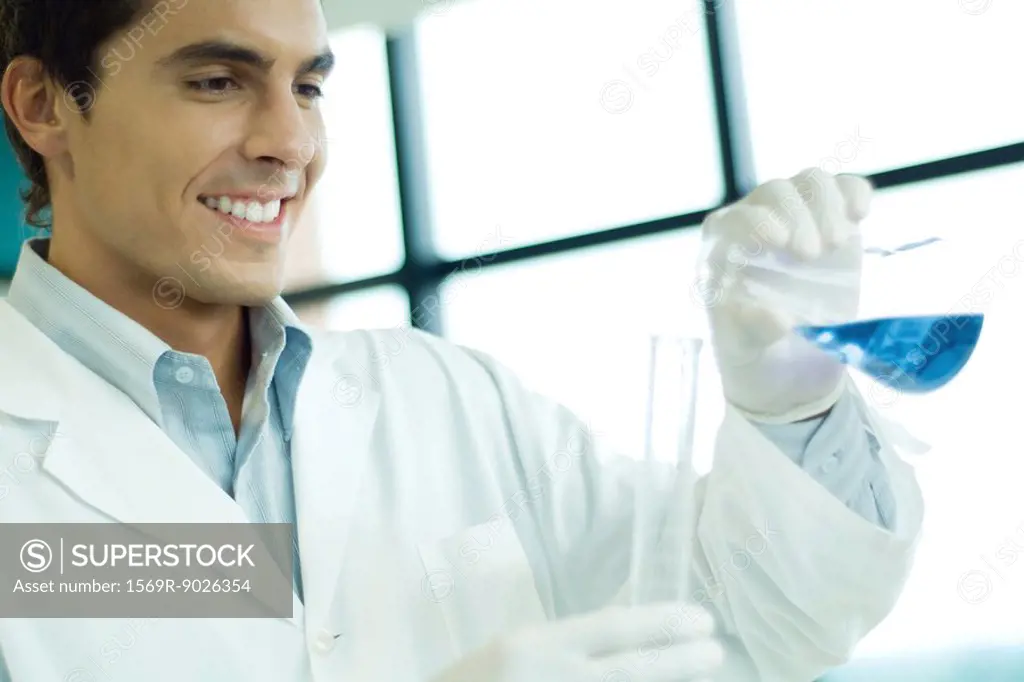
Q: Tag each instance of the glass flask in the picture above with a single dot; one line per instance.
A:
(922, 328)
(910, 353)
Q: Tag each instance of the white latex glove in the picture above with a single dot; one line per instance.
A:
(810, 222)
(651, 643)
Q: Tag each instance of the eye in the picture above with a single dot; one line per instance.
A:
(214, 86)
(311, 91)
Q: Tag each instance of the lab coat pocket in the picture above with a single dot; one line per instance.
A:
(481, 581)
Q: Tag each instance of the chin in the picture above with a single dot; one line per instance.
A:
(226, 291)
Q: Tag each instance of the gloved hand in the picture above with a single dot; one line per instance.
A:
(650, 643)
(811, 223)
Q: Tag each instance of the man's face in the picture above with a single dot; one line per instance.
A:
(204, 142)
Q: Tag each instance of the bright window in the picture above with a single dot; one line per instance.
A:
(867, 85)
(548, 119)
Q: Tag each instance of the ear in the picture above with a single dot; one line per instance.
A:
(37, 106)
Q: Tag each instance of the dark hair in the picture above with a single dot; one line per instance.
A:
(65, 36)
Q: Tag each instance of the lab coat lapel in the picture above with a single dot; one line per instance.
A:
(118, 461)
(104, 449)
(134, 473)
(331, 449)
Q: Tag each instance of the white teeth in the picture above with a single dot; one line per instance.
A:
(252, 211)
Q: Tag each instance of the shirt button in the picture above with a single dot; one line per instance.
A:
(323, 642)
(184, 375)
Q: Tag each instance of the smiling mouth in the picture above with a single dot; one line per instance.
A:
(254, 213)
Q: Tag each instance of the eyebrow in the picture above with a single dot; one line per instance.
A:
(222, 51)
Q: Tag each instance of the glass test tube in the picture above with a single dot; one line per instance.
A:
(663, 511)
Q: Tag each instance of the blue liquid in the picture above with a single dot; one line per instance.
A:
(912, 354)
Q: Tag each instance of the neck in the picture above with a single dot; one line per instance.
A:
(220, 333)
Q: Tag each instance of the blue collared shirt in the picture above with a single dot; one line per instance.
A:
(179, 391)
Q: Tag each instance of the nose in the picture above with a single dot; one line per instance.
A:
(282, 132)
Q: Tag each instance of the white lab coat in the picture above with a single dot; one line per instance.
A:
(440, 504)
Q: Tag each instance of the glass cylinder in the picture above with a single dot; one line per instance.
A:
(663, 511)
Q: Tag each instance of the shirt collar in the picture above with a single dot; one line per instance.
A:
(125, 353)
(273, 326)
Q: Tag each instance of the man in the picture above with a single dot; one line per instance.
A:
(450, 525)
